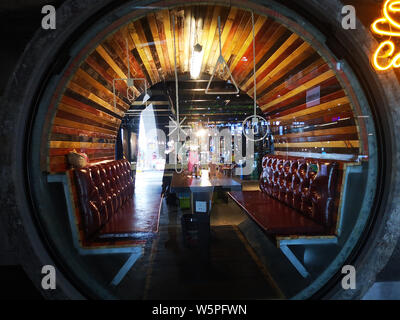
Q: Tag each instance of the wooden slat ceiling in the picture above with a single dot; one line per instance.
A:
(287, 68)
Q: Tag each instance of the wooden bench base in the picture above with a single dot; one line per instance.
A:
(123, 235)
(276, 218)
(284, 225)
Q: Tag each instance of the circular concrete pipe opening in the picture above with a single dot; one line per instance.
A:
(69, 70)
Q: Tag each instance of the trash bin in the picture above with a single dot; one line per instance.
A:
(184, 200)
(196, 230)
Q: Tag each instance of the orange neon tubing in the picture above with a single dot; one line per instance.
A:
(389, 8)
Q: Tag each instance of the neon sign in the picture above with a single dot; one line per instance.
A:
(384, 57)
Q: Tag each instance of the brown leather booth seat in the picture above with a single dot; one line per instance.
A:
(104, 190)
(297, 196)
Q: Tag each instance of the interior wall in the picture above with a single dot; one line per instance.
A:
(313, 115)
(287, 69)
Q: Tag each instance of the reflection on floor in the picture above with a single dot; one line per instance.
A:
(229, 272)
(148, 189)
(168, 270)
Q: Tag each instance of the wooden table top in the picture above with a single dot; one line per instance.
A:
(185, 182)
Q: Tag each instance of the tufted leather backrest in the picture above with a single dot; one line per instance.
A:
(102, 189)
(92, 208)
(307, 185)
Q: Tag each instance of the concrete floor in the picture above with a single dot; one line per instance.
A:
(241, 263)
(230, 269)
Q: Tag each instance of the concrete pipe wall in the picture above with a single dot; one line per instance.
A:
(47, 53)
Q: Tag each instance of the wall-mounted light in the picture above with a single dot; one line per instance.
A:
(196, 60)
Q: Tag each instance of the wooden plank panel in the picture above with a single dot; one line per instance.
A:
(164, 16)
(228, 31)
(141, 52)
(301, 104)
(321, 107)
(293, 39)
(83, 107)
(226, 25)
(351, 153)
(93, 63)
(349, 122)
(137, 67)
(291, 75)
(211, 34)
(292, 84)
(58, 160)
(100, 79)
(84, 100)
(77, 80)
(198, 29)
(97, 154)
(258, 23)
(242, 34)
(57, 168)
(278, 38)
(80, 132)
(206, 13)
(294, 50)
(326, 87)
(324, 116)
(333, 156)
(187, 25)
(151, 45)
(322, 144)
(78, 138)
(61, 114)
(214, 53)
(336, 131)
(119, 43)
(299, 55)
(82, 74)
(298, 51)
(164, 43)
(142, 46)
(245, 64)
(88, 115)
(86, 145)
(64, 151)
(308, 85)
(77, 125)
(63, 166)
(87, 94)
(103, 53)
(165, 68)
(229, 43)
(286, 68)
(302, 139)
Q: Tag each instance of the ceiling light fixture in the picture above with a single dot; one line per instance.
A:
(195, 63)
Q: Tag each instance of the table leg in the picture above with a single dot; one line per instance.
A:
(201, 202)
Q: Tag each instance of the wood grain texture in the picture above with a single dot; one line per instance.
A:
(287, 68)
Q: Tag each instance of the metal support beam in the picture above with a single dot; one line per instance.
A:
(295, 262)
(127, 266)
